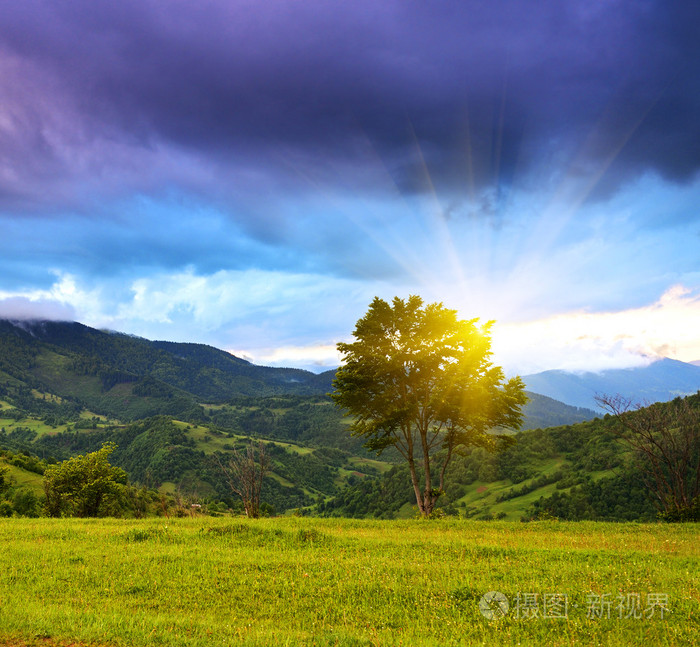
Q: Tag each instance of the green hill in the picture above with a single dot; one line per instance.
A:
(130, 378)
(573, 472)
(173, 408)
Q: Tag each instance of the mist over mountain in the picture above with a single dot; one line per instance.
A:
(660, 381)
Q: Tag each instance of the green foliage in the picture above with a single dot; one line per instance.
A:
(17, 496)
(618, 498)
(371, 497)
(315, 459)
(4, 480)
(664, 442)
(419, 379)
(129, 377)
(306, 470)
(687, 513)
(560, 462)
(28, 463)
(26, 504)
(541, 411)
(84, 486)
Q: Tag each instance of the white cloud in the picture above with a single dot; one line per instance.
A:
(23, 309)
(314, 357)
(64, 301)
(583, 341)
(295, 319)
(250, 297)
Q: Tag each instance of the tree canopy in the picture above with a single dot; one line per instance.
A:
(419, 379)
(83, 486)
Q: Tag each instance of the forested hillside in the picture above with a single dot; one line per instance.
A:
(575, 472)
(579, 471)
(570, 472)
(311, 451)
(130, 378)
(177, 410)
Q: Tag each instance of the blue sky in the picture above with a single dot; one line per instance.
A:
(250, 175)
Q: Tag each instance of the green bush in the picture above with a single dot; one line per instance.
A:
(84, 486)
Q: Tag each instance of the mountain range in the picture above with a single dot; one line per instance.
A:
(129, 378)
(172, 408)
(660, 381)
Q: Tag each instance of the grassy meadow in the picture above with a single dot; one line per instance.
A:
(301, 581)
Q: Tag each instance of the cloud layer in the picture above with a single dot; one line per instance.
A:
(185, 167)
(96, 94)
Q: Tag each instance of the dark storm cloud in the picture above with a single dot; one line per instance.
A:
(479, 94)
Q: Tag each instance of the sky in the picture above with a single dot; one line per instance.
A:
(251, 174)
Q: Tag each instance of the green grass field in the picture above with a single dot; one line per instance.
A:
(299, 581)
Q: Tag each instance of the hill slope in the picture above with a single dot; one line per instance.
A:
(573, 472)
(130, 377)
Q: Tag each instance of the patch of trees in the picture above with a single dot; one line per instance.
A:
(371, 497)
(619, 498)
(93, 366)
(17, 353)
(18, 438)
(542, 412)
(14, 500)
(311, 420)
(85, 486)
(560, 477)
(25, 461)
(25, 402)
(157, 450)
(583, 449)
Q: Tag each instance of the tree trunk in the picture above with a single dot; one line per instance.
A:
(416, 486)
(425, 499)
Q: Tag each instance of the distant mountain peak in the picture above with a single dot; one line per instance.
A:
(659, 381)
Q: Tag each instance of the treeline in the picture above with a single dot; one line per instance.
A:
(311, 420)
(592, 480)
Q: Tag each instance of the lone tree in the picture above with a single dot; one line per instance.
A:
(665, 443)
(84, 486)
(419, 379)
(245, 473)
